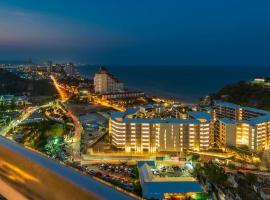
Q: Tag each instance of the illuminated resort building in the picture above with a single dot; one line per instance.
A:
(110, 88)
(228, 125)
(242, 126)
(133, 134)
(104, 82)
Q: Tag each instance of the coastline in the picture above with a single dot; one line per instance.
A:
(186, 84)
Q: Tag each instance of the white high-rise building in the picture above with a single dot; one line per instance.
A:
(104, 82)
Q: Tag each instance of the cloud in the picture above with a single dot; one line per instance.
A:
(27, 28)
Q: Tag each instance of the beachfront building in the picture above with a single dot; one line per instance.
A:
(123, 94)
(242, 126)
(133, 134)
(104, 82)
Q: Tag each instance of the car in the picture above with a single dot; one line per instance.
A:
(92, 172)
(98, 174)
(129, 187)
(84, 167)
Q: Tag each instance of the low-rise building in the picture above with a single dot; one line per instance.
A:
(122, 94)
(156, 187)
(7, 100)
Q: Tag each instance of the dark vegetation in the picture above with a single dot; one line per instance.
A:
(12, 84)
(36, 134)
(245, 94)
(215, 173)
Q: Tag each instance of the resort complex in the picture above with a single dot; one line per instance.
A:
(241, 126)
(140, 146)
(225, 125)
(131, 133)
(134, 100)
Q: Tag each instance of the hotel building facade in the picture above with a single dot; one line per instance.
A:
(159, 135)
(242, 126)
(110, 88)
(104, 82)
(228, 125)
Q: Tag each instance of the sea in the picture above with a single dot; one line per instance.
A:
(184, 83)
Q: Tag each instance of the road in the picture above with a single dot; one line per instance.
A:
(76, 143)
(64, 95)
(34, 176)
(78, 129)
(105, 103)
(27, 113)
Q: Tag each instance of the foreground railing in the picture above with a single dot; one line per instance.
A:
(25, 174)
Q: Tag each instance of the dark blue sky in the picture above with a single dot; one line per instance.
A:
(137, 32)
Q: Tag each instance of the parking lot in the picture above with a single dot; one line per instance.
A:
(121, 175)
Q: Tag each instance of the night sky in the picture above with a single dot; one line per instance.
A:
(137, 32)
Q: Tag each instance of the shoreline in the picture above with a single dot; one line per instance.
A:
(161, 96)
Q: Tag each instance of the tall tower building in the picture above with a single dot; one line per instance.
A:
(104, 82)
(69, 69)
(49, 66)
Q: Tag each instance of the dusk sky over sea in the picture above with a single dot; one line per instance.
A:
(153, 32)
(134, 99)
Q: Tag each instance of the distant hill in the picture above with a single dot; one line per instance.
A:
(12, 84)
(245, 93)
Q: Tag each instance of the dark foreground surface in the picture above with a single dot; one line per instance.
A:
(37, 177)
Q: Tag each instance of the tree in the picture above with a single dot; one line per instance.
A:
(215, 173)
(251, 178)
(231, 166)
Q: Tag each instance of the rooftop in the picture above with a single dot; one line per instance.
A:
(227, 121)
(160, 120)
(155, 187)
(129, 111)
(264, 112)
(103, 70)
(127, 117)
(265, 115)
(258, 120)
(227, 104)
(201, 115)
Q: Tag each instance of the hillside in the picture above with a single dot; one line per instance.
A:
(245, 93)
(12, 84)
